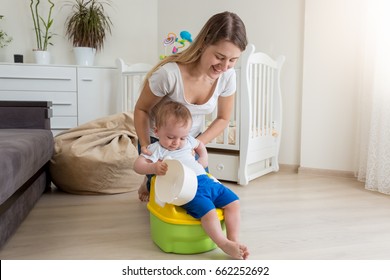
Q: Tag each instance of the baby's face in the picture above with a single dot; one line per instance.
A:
(173, 135)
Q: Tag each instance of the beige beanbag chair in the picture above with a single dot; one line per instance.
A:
(97, 157)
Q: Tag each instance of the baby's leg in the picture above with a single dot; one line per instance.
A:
(212, 226)
(232, 222)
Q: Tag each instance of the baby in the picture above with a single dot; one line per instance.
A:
(172, 126)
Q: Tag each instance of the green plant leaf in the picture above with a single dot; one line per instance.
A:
(88, 24)
(42, 33)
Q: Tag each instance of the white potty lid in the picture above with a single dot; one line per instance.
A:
(178, 186)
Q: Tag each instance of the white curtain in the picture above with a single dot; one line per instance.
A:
(373, 161)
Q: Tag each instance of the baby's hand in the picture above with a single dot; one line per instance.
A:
(161, 168)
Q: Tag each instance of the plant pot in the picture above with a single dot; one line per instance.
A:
(84, 56)
(41, 57)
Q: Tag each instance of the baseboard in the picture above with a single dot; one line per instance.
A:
(326, 172)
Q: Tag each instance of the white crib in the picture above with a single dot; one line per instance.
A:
(249, 147)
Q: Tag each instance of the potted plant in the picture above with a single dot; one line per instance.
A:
(4, 38)
(87, 27)
(42, 31)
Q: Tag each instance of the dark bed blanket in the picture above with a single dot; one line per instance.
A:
(26, 146)
(24, 157)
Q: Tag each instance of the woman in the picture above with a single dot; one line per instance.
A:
(200, 77)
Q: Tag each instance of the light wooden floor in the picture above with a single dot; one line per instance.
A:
(284, 216)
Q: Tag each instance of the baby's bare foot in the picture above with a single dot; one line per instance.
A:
(244, 251)
(235, 250)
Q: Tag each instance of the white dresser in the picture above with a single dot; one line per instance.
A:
(79, 94)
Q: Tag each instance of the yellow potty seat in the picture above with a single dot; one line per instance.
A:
(175, 231)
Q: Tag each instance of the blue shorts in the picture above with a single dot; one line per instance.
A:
(210, 195)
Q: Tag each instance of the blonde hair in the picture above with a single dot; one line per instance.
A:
(174, 109)
(223, 26)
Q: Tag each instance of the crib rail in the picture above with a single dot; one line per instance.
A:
(131, 80)
(261, 81)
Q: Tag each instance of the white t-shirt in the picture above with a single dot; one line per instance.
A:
(167, 82)
(184, 155)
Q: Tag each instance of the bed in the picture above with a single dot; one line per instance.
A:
(249, 147)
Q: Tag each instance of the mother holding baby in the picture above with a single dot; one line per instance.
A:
(200, 77)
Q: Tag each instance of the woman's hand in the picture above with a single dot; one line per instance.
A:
(225, 106)
(202, 153)
(144, 150)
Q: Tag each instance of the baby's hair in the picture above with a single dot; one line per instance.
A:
(174, 109)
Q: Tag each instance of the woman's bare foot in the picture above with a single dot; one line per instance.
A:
(143, 193)
(235, 250)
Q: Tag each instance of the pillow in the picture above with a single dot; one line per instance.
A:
(97, 157)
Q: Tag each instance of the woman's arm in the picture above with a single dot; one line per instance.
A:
(202, 153)
(146, 101)
(225, 106)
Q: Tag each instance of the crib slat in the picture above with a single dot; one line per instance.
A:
(268, 109)
(263, 107)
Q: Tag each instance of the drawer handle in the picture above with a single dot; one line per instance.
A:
(36, 78)
(220, 167)
(87, 80)
(62, 104)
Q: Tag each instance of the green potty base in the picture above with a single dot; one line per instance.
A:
(180, 238)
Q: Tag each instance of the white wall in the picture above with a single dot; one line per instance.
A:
(134, 33)
(275, 27)
(329, 102)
